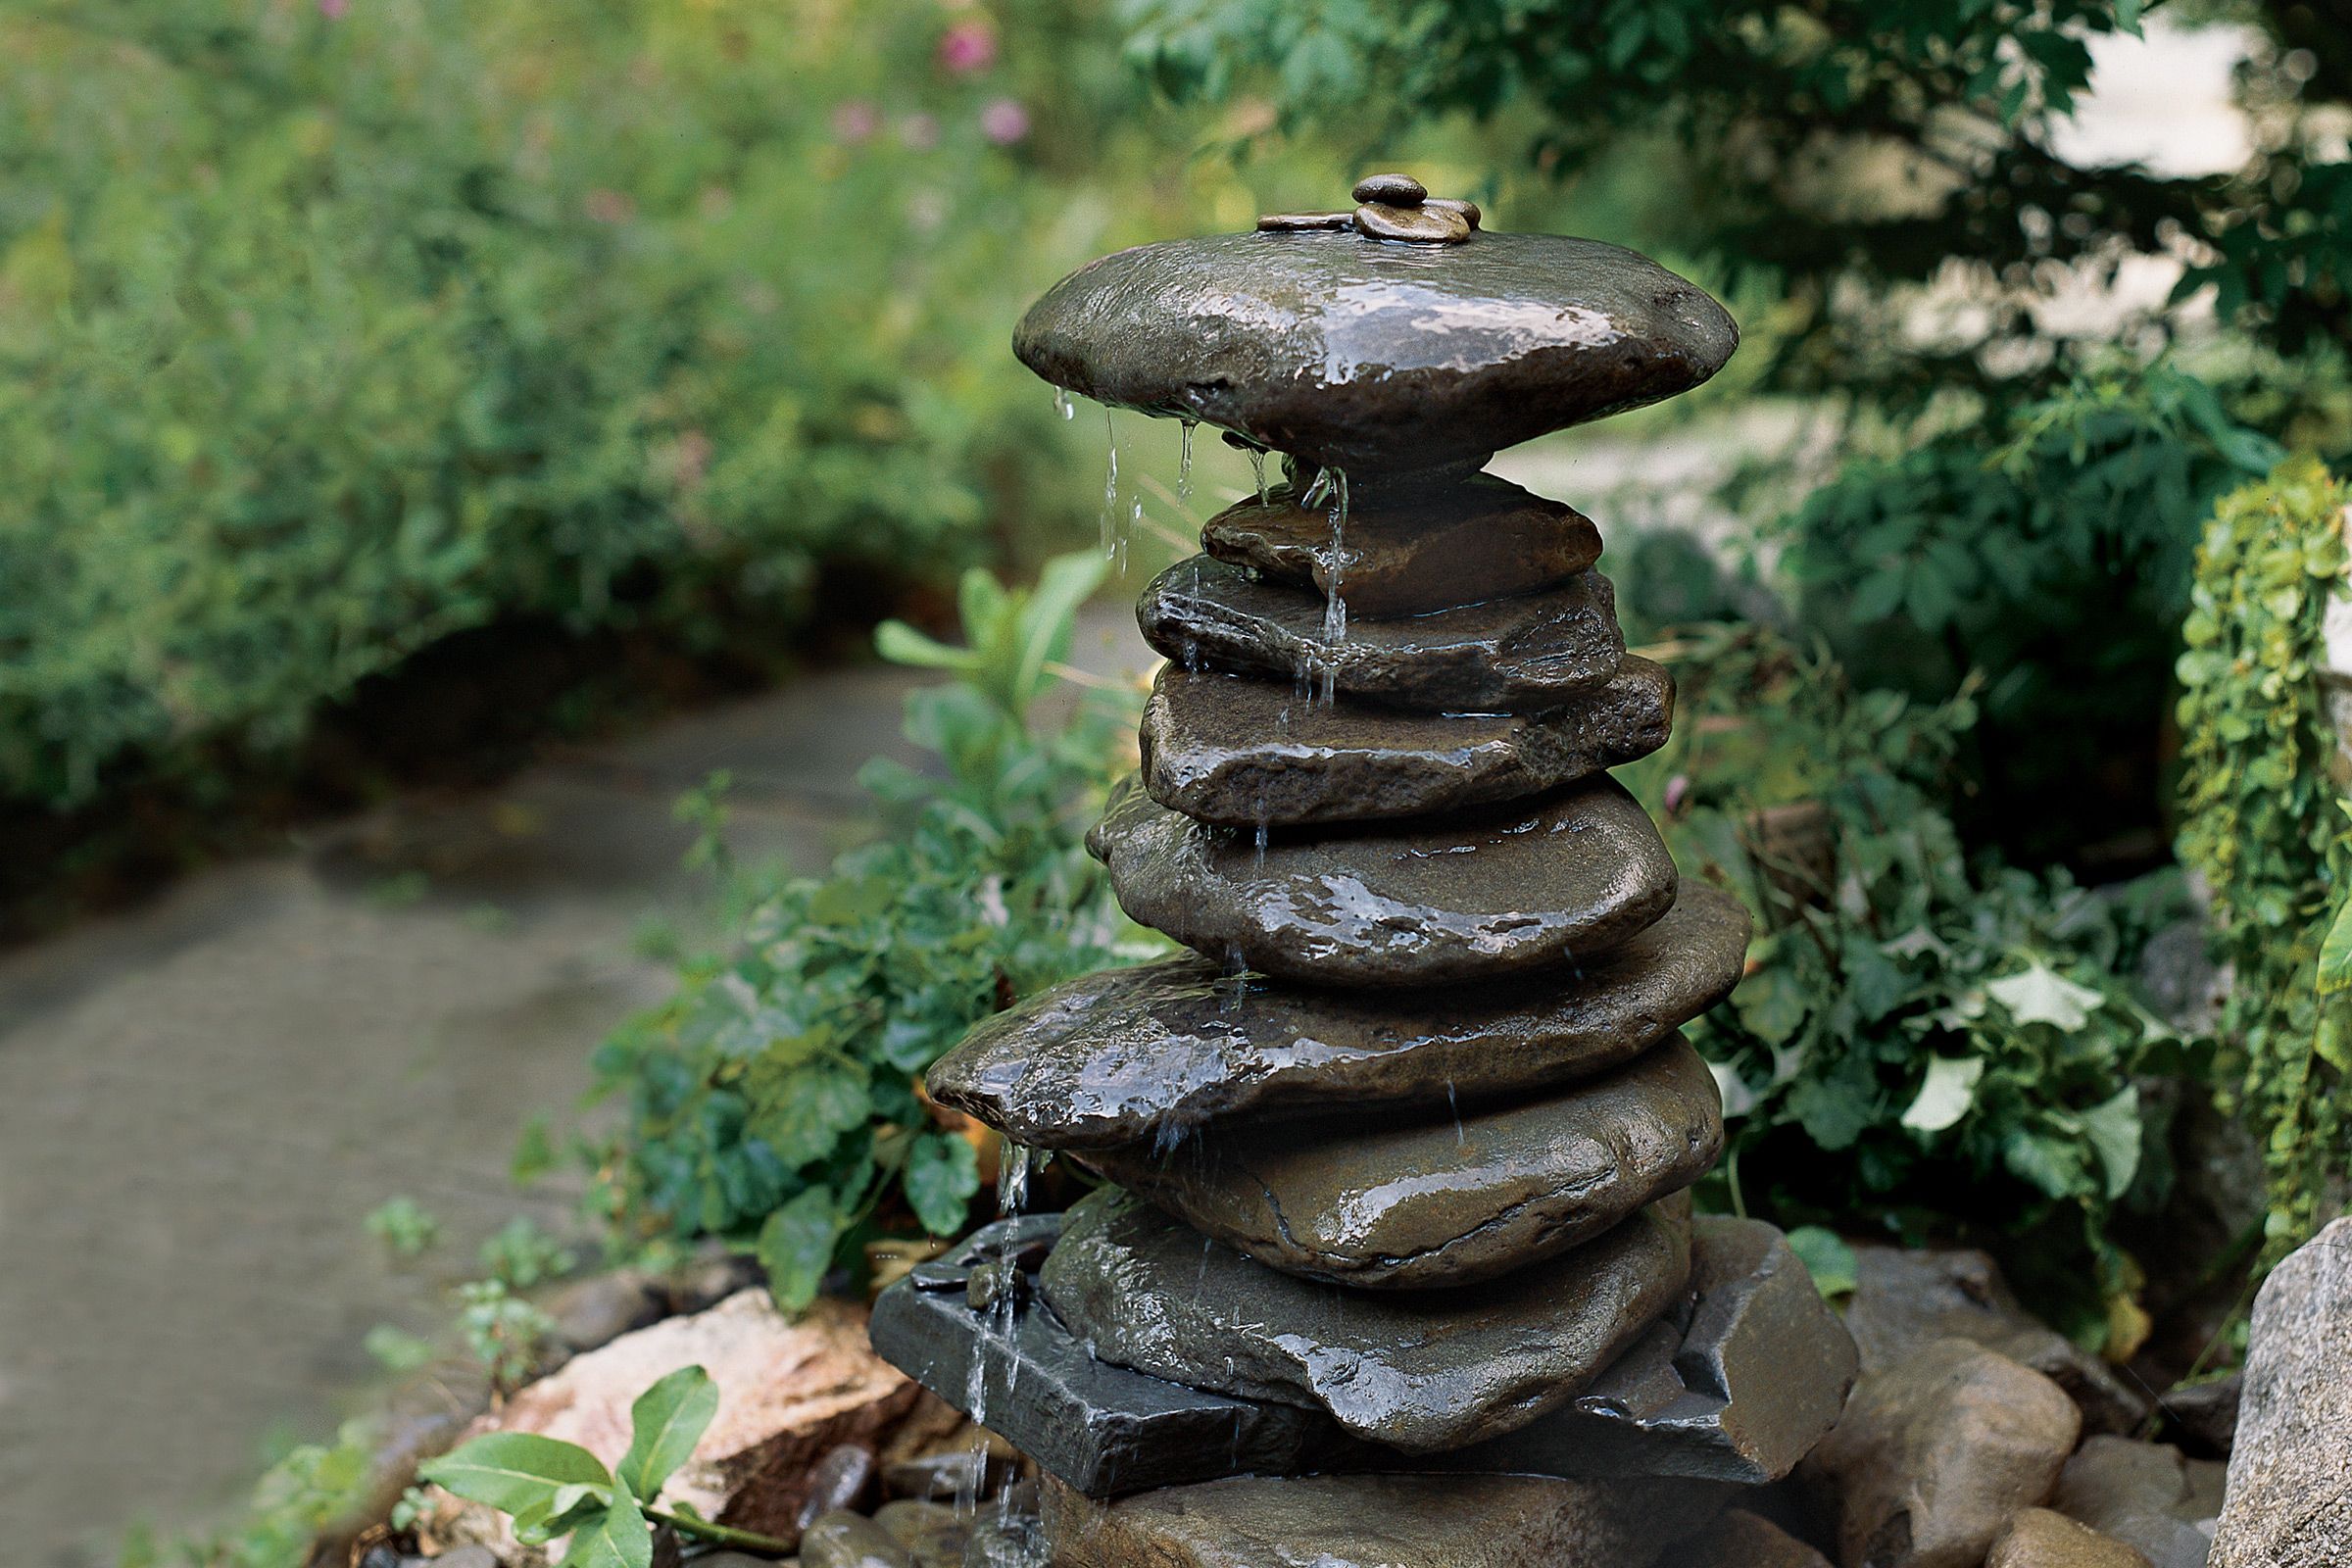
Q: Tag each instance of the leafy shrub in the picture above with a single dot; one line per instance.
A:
(775, 1098)
(1919, 1045)
(326, 333)
(2264, 820)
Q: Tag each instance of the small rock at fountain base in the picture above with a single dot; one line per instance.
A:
(1242, 752)
(1383, 1521)
(1448, 1200)
(1520, 654)
(1409, 549)
(1418, 1371)
(1146, 1054)
(2036, 1537)
(1533, 885)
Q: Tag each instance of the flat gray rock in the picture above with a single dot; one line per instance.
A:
(1404, 550)
(1385, 1521)
(1372, 354)
(2290, 1475)
(1527, 886)
(1416, 1370)
(1143, 1054)
(1740, 1390)
(1238, 752)
(1447, 1199)
(2148, 1495)
(1520, 654)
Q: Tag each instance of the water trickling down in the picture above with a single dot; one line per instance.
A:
(1064, 406)
(1183, 464)
(1109, 524)
(1258, 469)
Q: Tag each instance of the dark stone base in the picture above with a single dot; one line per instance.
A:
(1737, 1386)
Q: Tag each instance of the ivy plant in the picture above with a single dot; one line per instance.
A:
(551, 1489)
(775, 1098)
(2264, 820)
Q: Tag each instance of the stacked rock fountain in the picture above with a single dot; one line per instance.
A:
(1396, 1161)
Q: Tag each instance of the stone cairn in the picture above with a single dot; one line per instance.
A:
(1396, 1161)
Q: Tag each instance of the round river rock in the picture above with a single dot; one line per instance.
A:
(1519, 655)
(1417, 1370)
(1367, 353)
(1446, 1199)
(1408, 550)
(1143, 1053)
(1532, 885)
(1239, 752)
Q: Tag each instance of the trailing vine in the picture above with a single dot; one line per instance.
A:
(2264, 823)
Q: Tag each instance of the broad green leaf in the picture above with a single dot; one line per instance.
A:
(665, 1423)
(617, 1537)
(2336, 953)
(513, 1471)
(1949, 1089)
(796, 1247)
(2042, 995)
(1827, 1258)
(563, 1509)
(2113, 1125)
(1046, 622)
(902, 644)
(943, 1173)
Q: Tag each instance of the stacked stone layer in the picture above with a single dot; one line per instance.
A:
(1397, 1166)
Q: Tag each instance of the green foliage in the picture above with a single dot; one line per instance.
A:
(507, 1333)
(2264, 820)
(312, 1488)
(328, 333)
(407, 1229)
(552, 1488)
(520, 1254)
(774, 1100)
(1920, 1045)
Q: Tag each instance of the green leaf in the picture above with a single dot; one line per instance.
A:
(796, 1247)
(665, 1423)
(2113, 1125)
(943, 1173)
(1827, 1258)
(1949, 1089)
(513, 1471)
(902, 644)
(2042, 995)
(617, 1537)
(2336, 953)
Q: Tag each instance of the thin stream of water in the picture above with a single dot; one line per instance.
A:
(1110, 482)
(1183, 464)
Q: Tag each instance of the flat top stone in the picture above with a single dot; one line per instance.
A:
(1446, 1199)
(1139, 1054)
(1518, 655)
(1367, 353)
(1417, 1370)
(1239, 751)
(1533, 885)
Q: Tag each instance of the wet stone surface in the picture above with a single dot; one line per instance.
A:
(1449, 1199)
(1238, 752)
(1370, 353)
(1520, 654)
(1419, 1371)
(1407, 550)
(1382, 1520)
(1143, 1054)
(1528, 886)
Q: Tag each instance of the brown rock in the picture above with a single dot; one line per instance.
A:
(839, 1482)
(1740, 1540)
(1382, 1520)
(1532, 886)
(1445, 1199)
(1239, 752)
(2146, 1495)
(1936, 1452)
(843, 1539)
(1430, 225)
(788, 1392)
(1396, 190)
(1403, 550)
(1904, 1299)
(2036, 1537)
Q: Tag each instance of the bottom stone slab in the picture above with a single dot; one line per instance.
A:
(1735, 1386)
(1385, 1521)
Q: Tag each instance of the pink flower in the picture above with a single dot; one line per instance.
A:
(855, 120)
(1678, 790)
(967, 47)
(332, 9)
(1005, 122)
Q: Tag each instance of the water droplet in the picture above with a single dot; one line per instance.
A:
(1064, 406)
